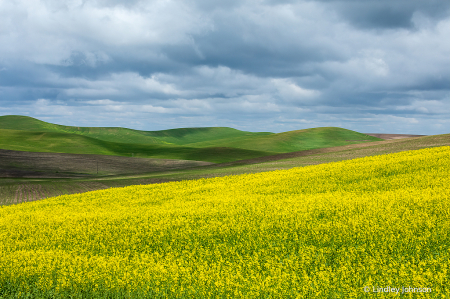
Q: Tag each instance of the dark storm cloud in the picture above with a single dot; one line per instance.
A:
(385, 14)
(256, 65)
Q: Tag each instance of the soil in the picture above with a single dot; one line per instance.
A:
(17, 164)
(393, 136)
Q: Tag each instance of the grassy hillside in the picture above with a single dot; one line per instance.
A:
(78, 144)
(174, 136)
(193, 137)
(293, 140)
(186, 136)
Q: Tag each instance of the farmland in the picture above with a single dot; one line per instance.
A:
(40, 159)
(218, 212)
(319, 231)
(57, 174)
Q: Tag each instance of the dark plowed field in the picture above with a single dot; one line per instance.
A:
(17, 164)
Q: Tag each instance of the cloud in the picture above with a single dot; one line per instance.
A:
(387, 14)
(291, 92)
(100, 102)
(256, 65)
(44, 107)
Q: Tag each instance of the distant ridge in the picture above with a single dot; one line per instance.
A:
(294, 140)
(181, 136)
(211, 144)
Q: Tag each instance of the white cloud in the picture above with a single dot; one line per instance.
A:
(44, 107)
(153, 109)
(426, 107)
(291, 91)
(101, 102)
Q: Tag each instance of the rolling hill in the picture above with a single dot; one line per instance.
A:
(293, 140)
(181, 136)
(77, 144)
(211, 144)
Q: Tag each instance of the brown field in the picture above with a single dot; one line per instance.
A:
(392, 136)
(17, 164)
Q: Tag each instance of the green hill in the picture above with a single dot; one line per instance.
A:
(78, 144)
(213, 144)
(181, 136)
(293, 140)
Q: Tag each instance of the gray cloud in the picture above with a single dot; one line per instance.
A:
(256, 65)
(385, 14)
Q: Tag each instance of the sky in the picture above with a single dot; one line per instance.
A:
(373, 66)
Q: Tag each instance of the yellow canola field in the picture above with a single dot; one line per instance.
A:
(351, 229)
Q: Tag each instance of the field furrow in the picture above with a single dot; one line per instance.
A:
(18, 198)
